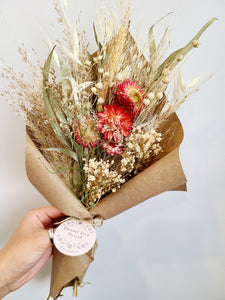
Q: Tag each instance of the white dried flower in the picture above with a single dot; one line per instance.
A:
(119, 77)
(101, 100)
(94, 90)
(114, 190)
(100, 57)
(87, 63)
(100, 70)
(151, 96)
(159, 95)
(146, 101)
(106, 75)
(166, 79)
(91, 178)
(99, 85)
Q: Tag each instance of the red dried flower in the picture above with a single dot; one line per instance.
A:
(115, 123)
(85, 131)
(131, 96)
(111, 148)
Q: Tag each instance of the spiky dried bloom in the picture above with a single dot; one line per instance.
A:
(85, 132)
(130, 96)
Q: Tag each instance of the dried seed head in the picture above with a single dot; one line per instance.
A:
(106, 75)
(101, 100)
(87, 63)
(166, 72)
(166, 79)
(99, 85)
(151, 96)
(100, 70)
(180, 57)
(159, 95)
(146, 101)
(195, 43)
(94, 90)
(100, 57)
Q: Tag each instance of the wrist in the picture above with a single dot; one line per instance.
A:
(4, 288)
(3, 292)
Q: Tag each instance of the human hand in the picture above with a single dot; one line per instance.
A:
(27, 250)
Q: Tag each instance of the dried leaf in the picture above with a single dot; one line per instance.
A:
(47, 94)
(172, 61)
(68, 152)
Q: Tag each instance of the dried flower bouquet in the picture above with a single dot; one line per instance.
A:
(102, 133)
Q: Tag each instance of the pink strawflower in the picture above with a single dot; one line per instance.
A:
(115, 123)
(131, 96)
(111, 148)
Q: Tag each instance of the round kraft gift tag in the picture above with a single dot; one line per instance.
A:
(74, 237)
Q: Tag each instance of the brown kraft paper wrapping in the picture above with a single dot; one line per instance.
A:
(163, 175)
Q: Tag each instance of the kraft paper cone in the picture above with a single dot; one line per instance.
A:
(163, 175)
(66, 268)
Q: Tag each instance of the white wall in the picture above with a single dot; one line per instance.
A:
(172, 246)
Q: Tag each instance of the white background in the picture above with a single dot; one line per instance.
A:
(173, 246)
